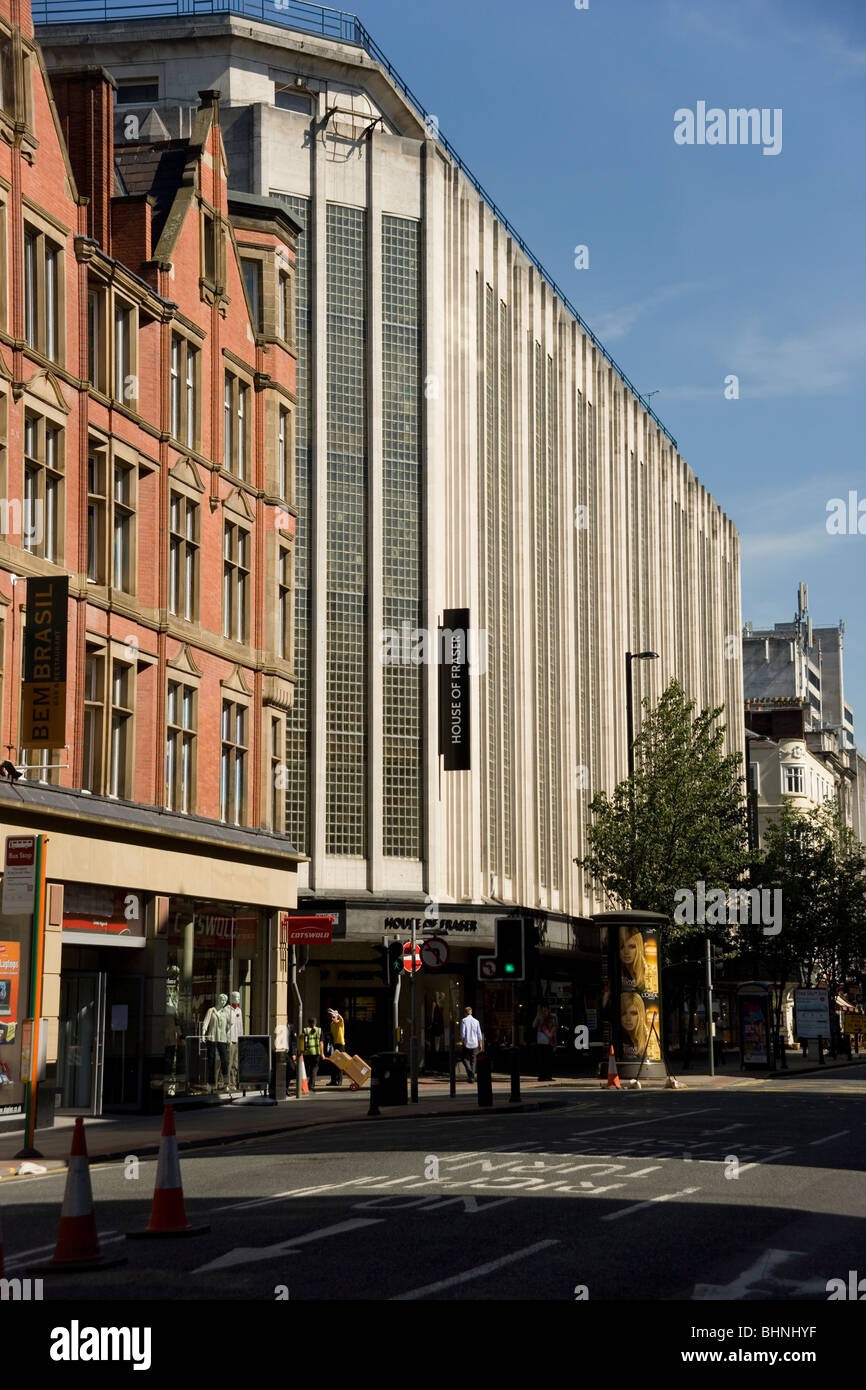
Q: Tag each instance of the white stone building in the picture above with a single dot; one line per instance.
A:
(462, 441)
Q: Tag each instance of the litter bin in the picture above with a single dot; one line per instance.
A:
(390, 1076)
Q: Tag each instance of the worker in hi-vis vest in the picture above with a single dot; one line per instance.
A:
(311, 1047)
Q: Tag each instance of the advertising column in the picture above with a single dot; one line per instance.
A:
(632, 999)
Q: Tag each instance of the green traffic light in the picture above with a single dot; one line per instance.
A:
(510, 969)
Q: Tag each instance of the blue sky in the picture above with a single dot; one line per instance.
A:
(704, 260)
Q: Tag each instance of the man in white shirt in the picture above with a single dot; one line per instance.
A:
(470, 1034)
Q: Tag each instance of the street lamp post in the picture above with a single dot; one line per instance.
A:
(629, 711)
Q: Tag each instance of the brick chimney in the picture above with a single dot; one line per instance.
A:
(84, 98)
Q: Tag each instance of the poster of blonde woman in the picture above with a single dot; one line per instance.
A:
(636, 1017)
(638, 957)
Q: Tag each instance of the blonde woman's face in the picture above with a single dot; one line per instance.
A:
(628, 951)
(630, 1017)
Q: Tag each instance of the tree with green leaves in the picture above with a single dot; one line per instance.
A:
(681, 820)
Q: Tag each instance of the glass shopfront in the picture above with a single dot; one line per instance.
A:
(216, 989)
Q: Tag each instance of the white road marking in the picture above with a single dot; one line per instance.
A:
(760, 1271)
(22, 1256)
(815, 1142)
(477, 1273)
(293, 1192)
(660, 1119)
(244, 1255)
(639, 1206)
(777, 1153)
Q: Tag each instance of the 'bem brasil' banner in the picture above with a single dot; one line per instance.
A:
(43, 705)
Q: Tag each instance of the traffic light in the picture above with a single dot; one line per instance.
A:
(510, 949)
(509, 959)
(390, 958)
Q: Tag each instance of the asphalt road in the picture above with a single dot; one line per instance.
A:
(752, 1194)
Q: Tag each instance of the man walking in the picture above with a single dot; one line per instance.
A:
(470, 1035)
(311, 1047)
(338, 1043)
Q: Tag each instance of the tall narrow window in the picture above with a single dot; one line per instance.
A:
(43, 277)
(253, 281)
(51, 300)
(236, 544)
(283, 306)
(233, 763)
(42, 513)
(283, 455)
(31, 289)
(94, 703)
(96, 511)
(180, 747)
(209, 258)
(123, 527)
(122, 349)
(95, 311)
(228, 451)
(278, 795)
(189, 393)
(241, 431)
(121, 749)
(7, 75)
(283, 605)
(183, 557)
(174, 374)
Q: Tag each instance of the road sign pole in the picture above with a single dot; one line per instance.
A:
(414, 1051)
(36, 964)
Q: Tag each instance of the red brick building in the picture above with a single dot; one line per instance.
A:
(147, 375)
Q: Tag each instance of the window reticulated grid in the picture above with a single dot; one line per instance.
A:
(401, 540)
(506, 565)
(542, 721)
(297, 719)
(552, 667)
(491, 531)
(346, 680)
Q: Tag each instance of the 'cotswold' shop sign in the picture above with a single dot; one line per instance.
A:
(433, 927)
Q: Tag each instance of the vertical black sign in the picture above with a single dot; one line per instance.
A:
(43, 705)
(454, 723)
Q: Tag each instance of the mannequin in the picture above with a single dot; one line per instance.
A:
(215, 1034)
(236, 1028)
(172, 1028)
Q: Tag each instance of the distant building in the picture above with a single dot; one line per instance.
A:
(799, 726)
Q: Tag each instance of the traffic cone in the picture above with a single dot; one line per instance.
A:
(168, 1213)
(612, 1073)
(77, 1246)
(305, 1085)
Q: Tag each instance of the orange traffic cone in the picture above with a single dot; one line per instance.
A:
(168, 1213)
(305, 1085)
(612, 1073)
(77, 1241)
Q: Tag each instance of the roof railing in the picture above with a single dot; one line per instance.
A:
(334, 24)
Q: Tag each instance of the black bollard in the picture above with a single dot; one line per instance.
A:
(514, 1098)
(374, 1096)
(484, 1075)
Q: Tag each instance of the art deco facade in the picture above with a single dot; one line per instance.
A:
(462, 441)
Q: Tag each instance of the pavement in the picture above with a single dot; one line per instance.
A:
(112, 1137)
